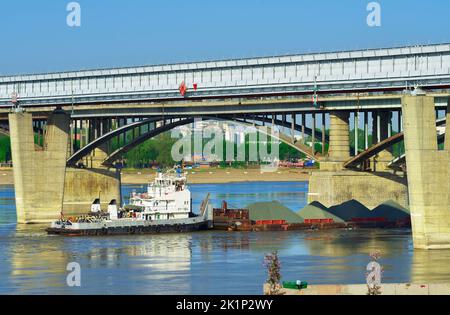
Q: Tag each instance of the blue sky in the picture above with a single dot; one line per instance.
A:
(115, 33)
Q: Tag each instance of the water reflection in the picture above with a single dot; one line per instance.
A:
(34, 262)
(364, 241)
(430, 266)
(211, 262)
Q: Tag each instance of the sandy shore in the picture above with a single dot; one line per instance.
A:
(216, 176)
(204, 176)
(6, 176)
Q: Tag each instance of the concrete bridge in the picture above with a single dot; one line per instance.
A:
(77, 115)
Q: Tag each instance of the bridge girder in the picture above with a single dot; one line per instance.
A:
(230, 106)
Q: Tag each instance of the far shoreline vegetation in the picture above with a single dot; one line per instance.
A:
(5, 149)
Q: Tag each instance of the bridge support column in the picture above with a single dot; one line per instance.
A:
(39, 175)
(428, 174)
(334, 185)
(44, 186)
(381, 161)
(339, 146)
(313, 135)
(98, 155)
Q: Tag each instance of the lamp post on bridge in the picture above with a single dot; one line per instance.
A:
(315, 96)
(15, 102)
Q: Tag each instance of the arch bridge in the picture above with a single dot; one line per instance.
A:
(368, 97)
(129, 133)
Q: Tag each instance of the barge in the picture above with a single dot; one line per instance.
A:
(238, 219)
(166, 207)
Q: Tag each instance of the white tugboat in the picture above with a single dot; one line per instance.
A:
(166, 207)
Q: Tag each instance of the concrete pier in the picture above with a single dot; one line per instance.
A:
(370, 189)
(44, 186)
(428, 174)
(334, 185)
(339, 147)
(82, 186)
(39, 176)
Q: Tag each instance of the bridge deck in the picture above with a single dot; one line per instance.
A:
(334, 72)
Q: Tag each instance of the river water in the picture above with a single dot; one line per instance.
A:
(212, 262)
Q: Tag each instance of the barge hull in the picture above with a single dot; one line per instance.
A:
(133, 230)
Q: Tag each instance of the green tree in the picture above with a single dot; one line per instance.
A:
(5, 149)
(157, 150)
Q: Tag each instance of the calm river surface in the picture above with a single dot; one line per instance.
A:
(207, 262)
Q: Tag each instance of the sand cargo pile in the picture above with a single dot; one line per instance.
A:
(265, 216)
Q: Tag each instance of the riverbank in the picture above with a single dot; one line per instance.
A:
(203, 176)
(6, 176)
(219, 176)
(361, 289)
